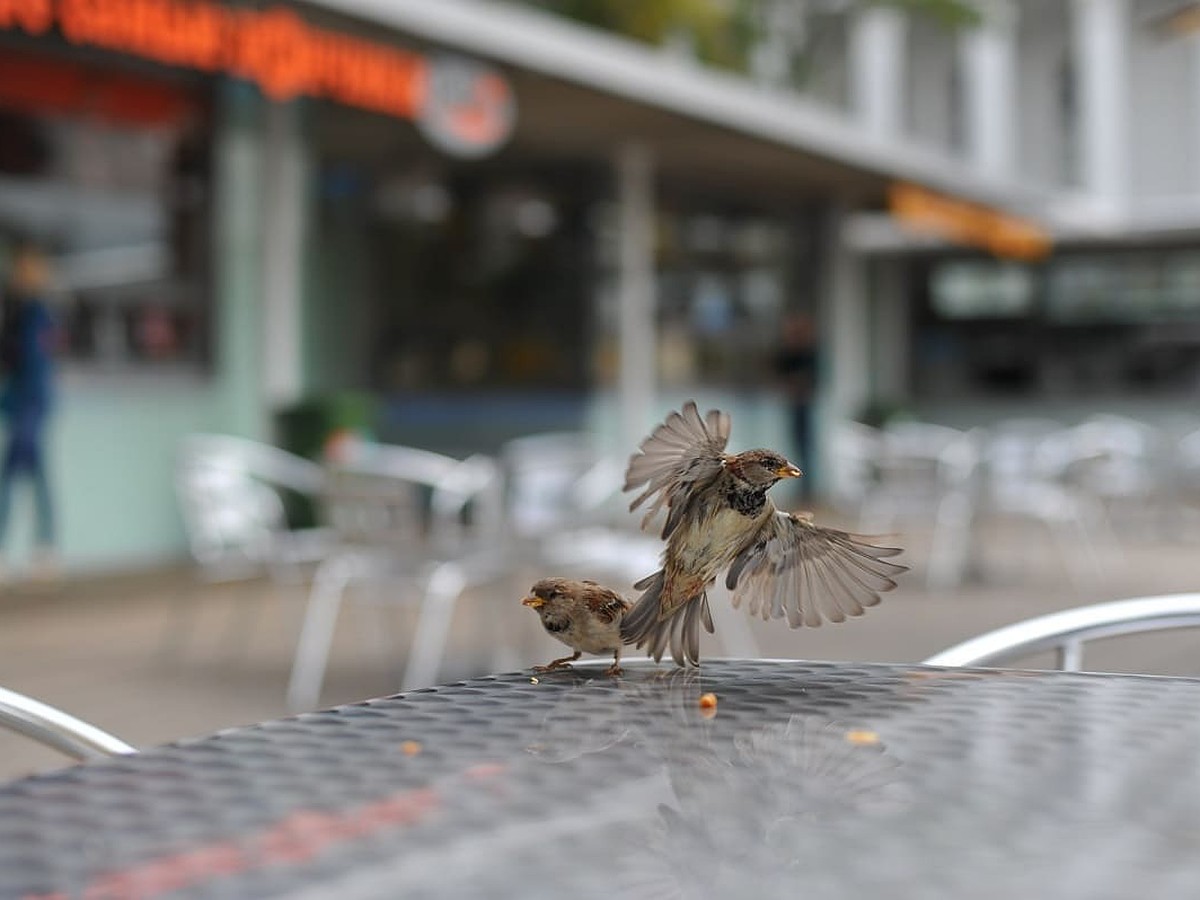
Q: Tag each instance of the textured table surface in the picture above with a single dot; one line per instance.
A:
(810, 780)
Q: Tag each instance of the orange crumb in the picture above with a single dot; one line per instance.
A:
(862, 737)
(410, 748)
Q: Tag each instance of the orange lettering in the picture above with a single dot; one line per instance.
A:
(274, 48)
(32, 16)
(86, 21)
(269, 52)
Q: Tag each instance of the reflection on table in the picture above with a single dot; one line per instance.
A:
(824, 780)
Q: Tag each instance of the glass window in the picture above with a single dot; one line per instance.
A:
(108, 173)
(978, 290)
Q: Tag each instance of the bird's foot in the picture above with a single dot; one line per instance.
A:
(613, 671)
(551, 667)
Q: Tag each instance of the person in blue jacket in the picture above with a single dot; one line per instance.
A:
(28, 338)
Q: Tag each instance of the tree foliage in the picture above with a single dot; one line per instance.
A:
(722, 32)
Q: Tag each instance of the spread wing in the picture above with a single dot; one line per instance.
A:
(607, 604)
(681, 452)
(809, 573)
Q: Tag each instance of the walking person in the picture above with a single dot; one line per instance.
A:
(796, 369)
(27, 344)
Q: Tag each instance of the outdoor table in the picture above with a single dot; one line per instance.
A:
(807, 780)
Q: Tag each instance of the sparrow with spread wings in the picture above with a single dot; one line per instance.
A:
(719, 517)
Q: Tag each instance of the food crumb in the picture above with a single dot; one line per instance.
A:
(410, 748)
(862, 737)
(534, 680)
(708, 701)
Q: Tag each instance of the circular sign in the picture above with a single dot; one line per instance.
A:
(469, 108)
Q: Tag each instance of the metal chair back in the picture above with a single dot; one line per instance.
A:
(1066, 632)
(54, 728)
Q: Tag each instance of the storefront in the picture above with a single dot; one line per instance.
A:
(487, 229)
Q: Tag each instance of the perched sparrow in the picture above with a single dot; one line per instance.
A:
(718, 517)
(583, 615)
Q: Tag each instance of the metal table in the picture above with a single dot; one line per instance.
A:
(809, 780)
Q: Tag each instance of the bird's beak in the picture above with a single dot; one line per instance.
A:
(788, 471)
(533, 602)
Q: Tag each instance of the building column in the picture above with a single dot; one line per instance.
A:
(1194, 46)
(989, 57)
(285, 177)
(237, 230)
(1100, 35)
(878, 70)
(636, 302)
(845, 339)
(892, 331)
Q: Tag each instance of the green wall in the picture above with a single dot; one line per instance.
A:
(113, 439)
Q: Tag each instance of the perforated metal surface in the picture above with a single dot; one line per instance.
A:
(810, 780)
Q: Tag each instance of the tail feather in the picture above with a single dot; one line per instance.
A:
(680, 632)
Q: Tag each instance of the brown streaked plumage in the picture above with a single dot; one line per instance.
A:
(583, 615)
(719, 517)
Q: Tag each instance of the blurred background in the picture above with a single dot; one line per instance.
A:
(288, 242)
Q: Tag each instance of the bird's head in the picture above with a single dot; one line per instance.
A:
(549, 594)
(761, 468)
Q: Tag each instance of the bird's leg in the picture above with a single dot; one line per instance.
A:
(615, 669)
(562, 663)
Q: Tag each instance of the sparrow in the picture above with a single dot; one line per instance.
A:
(720, 519)
(583, 615)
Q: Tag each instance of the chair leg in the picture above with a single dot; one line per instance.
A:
(241, 621)
(316, 635)
(428, 646)
(951, 541)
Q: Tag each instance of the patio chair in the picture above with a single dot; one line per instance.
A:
(1026, 463)
(230, 497)
(927, 471)
(852, 470)
(1066, 632)
(54, 728)
(556, 480)
(423, 525)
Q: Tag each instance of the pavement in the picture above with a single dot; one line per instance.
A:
(155, 656)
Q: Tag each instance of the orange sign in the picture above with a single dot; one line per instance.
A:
(274, 48)
(967, 223)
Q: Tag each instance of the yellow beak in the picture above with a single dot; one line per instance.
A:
(788, 471)
(533, 602)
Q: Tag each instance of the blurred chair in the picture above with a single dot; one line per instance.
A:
(54, 728)
(423, 526)
(1066, 632)
(1122, 463)
(1185, 477)
(231, 499)
(229, 490)
(927, 472)
(560, 480)
(853, 466)
(1026, 463)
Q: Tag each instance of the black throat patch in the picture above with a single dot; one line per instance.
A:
(555, 624)
(748, 501)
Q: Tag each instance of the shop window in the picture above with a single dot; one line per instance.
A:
(1083, 324)
(722, 285)
(108, 173)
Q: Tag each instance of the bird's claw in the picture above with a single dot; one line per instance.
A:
(613, 671)
(552, 667)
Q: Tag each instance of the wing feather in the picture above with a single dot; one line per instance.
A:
(684, 451)
(809, 574)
